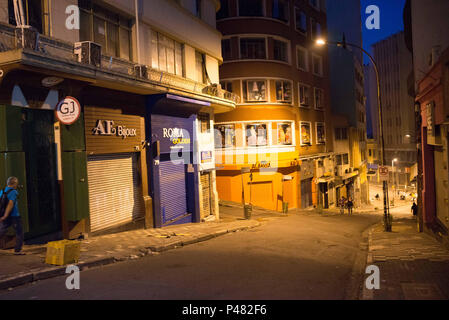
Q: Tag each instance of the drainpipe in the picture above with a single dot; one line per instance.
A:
(136, 5)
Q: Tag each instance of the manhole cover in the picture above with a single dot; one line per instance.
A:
(421, 291)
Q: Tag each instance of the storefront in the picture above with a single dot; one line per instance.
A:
(307, 174)
(114, 144)
(175, 173)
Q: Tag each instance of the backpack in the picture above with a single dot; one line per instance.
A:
(4, 202)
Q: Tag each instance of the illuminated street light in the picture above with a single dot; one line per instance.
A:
(344, 44)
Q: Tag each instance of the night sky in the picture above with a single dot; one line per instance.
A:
(391, 21)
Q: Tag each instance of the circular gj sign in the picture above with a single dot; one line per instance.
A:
(68, 110)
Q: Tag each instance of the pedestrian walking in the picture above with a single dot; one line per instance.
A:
(342, 205)
(9, 213)
(414, 209)
(350, 206)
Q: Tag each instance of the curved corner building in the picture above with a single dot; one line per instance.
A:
(275, 146)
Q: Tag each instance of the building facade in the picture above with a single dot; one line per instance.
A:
(428, 44)
(347, 88)
(395, 66)
(275, 147)
(141, 150)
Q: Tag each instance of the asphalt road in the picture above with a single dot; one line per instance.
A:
(305, 256)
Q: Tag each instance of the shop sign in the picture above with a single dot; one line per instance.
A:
(206, 156)
(175, 134)
(68, 111)
(108, 128)
(262, 164)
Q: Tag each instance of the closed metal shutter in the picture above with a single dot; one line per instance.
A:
(206, 194)
(173, 190)
(115, 194)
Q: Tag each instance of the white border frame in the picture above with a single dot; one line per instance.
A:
(296, 26)
(267, 93)
(292, 86)
(316, 132)
(299, 47)
(314, 55)
(322, 99)
(309, 106)
(300, 134)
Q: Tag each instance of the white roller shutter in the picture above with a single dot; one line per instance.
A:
(115, 194)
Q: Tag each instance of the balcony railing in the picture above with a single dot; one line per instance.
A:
(65, 50)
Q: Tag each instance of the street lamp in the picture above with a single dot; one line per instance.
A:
(344, 44)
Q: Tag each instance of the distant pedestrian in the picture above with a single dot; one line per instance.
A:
(9, 213)
(414, 209)
(342, 205)
(350, 205)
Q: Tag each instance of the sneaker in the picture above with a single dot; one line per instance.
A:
(20, 253)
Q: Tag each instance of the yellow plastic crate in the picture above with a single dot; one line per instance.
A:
(63, 252)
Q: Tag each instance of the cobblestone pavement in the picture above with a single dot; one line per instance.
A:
(125, 245)
(413, 266)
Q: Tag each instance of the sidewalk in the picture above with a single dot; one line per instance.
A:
(413, 265)
(107, 249)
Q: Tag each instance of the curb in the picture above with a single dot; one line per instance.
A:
(53, 272)
(354, 288)
(366, 294)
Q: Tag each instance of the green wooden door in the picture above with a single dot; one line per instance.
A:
(76, 195)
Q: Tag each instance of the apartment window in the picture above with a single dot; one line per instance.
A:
(315, 29)
(223, 13)
(315, 4)
(198, 4)
(306, 134)
(319, 99)
(204, 121)
(280, 50)
(317, 63)
(226, 49)
(345, 159)
(341, 134)
(112, 31)
(167, 54)
(226, 85)
(320, 133)
(301, 54)
(300, 20)
(32, 12)
(199, 69)
(225, 136)
(339, 159)
(285, 134)
(251, 8)
(255, 90)
(253, 48)
(256, 135)
(304, 96)
(284, 91)
(280, 10)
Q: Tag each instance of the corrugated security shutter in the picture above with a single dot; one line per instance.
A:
(173, 190)
(115, 193)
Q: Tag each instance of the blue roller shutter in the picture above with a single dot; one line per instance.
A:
(173, 190)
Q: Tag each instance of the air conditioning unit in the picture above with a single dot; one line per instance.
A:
(88, 52)
(141, 71)
(27, 37)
